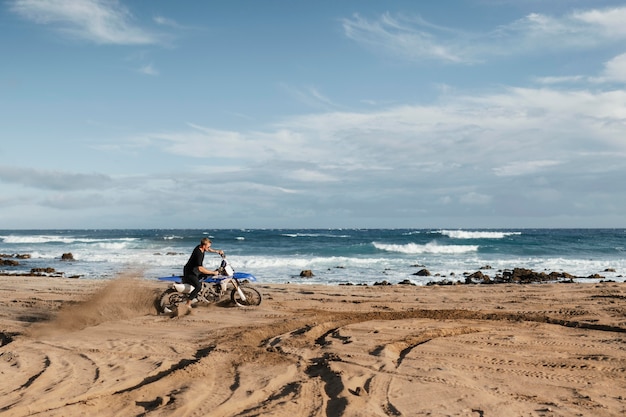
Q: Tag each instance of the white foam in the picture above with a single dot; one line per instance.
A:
(41, 239)
(430, 248)
(467, 234)
(330, 235)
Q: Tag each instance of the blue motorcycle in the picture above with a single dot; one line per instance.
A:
(213, 289)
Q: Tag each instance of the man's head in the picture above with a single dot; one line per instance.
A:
(205, 243)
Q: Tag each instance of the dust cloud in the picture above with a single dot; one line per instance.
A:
(122, 298)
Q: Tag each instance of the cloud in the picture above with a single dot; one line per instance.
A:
(473, 198)
(148, 69)
(608, 23)
(615, 69)
(416, 40)
(411, 39)
(517, 168)
(167, 22)
(470, 155)
(312, 97)
(472, 141)
(98, 21)
(566, 79)
(53, 180)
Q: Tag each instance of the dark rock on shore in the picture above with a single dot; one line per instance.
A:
(15, 255)
(42, 271)
(516, 276)
(444, 282)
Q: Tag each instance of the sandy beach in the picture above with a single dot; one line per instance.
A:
(80, 347)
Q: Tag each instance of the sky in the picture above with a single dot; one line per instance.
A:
(312, 114)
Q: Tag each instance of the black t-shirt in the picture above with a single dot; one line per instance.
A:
(195, 260)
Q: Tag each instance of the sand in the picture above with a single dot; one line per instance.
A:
(80, 347)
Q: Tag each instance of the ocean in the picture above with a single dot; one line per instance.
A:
(335, 256)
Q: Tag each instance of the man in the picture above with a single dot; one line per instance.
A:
(194, 269)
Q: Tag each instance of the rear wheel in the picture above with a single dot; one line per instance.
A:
(253, 297)
(169, 301)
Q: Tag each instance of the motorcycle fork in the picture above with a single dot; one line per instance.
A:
(238, 288)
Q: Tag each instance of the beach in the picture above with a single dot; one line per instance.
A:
(84, 347)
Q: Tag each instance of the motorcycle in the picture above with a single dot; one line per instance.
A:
(213, 289)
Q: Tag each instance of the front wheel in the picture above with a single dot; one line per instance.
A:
(169, 301)
(253, 297)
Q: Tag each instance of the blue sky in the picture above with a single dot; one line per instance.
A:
(352, 113)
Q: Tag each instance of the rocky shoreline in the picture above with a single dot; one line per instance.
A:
(13, 260)
(507, 276)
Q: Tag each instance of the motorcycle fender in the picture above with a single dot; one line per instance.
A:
(184, 288)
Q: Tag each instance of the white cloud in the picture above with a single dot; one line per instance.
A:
(410, 39)
(309, 175)
(523, 167)
(148, 70)
(615, 69)
(167, 22)
(517, 133)
(607, 22)
(471, 150)
(99, 21)
(53, 180)
(566, 79)
(414, 39)
(473, 198)
(614, 72)
(310, 96)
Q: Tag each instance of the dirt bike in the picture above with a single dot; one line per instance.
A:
(213, 289)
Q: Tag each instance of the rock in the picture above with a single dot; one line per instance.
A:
(406, 282)
(422, 273)
(9, 262)
(477, 277)
(522, 275)
(306, 273)
(67, 257)
(40, 271)
(443, 282)
(15, 255)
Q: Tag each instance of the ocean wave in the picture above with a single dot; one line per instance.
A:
(42, 239)
(467, 234)
(431, 247)
(313, 235)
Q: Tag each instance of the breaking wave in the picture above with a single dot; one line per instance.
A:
(467, 234)
(431, 247)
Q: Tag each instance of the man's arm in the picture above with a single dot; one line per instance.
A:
(221, 252)
(205, 271)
